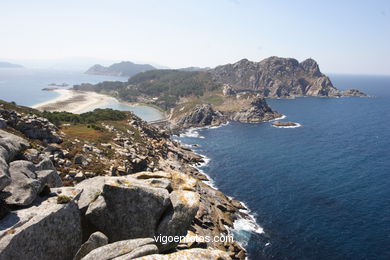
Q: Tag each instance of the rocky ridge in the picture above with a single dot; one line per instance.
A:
(124, 69)
(70, 199)
(276, 77)
(255, 110)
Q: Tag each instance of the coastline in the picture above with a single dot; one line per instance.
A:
(73, 101)
(246, 221)
(77, 102)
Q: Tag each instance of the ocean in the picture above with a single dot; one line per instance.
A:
(319, 191)
(24, 86)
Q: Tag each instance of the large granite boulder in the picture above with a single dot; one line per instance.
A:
(3, 123)
(185, 206)
(96, 240)
(128, 210)
(46, 230)
(10, 146)
(158, 202)
(125, 249)
(28, 180)
(32, 126)
(190, 254)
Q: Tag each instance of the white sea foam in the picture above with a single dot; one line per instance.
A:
(248, 224)
(293, 126)
(278, 118)
(219, 126)
(245, 225)
(192, 132)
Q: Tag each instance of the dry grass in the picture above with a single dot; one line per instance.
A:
(83, 132)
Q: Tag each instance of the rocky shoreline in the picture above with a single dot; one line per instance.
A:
(71, 194)
(206, 115)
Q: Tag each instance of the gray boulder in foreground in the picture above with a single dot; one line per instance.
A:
(125, 249)
(127, 210)
(190, 254)
(10, 146)
(28, 180)
(97, 239)
(46, 230)
(175, 223)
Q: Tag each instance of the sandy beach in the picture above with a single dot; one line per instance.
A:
(74, 101)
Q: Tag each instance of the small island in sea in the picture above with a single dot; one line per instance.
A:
(285, 124)
(58, 84)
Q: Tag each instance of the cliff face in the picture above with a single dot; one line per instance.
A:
(124, 68)
(199, 116)
(258, 111)
(276, 77)
(255, 110)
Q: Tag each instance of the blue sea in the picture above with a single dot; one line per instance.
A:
(319, 191)
(24, 86)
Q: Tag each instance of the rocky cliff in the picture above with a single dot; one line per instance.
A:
(104, 191)
(253, 109)
(199, 116)
(124, 69)
(277, 77)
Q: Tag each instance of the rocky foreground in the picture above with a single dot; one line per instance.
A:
(104, 191)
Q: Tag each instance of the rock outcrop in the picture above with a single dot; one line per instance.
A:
(125, 249)
(199, 116)
(38, 220)
(185, 206)
(191, 254)
(143, 205)
(354, 93)
(31, 126)
(97, 239)
(144, 196)
(10, 146)
(28, 180)
(258, 111)
(284, 124)
(277, 77)
(46, 230)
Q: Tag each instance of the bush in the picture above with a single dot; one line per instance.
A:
(95, 116)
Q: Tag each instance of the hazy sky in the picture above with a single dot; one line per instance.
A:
(343, 36)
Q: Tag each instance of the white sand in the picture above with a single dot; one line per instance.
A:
(74, 101)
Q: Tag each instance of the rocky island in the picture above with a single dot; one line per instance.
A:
(228, 92)
(285, 124)
(123, 69)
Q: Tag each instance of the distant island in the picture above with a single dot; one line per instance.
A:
(8, 65)
(58, 84)
(195, 69)
(227, 92)
(124, 69)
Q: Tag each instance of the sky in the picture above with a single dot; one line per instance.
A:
(343, 36)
